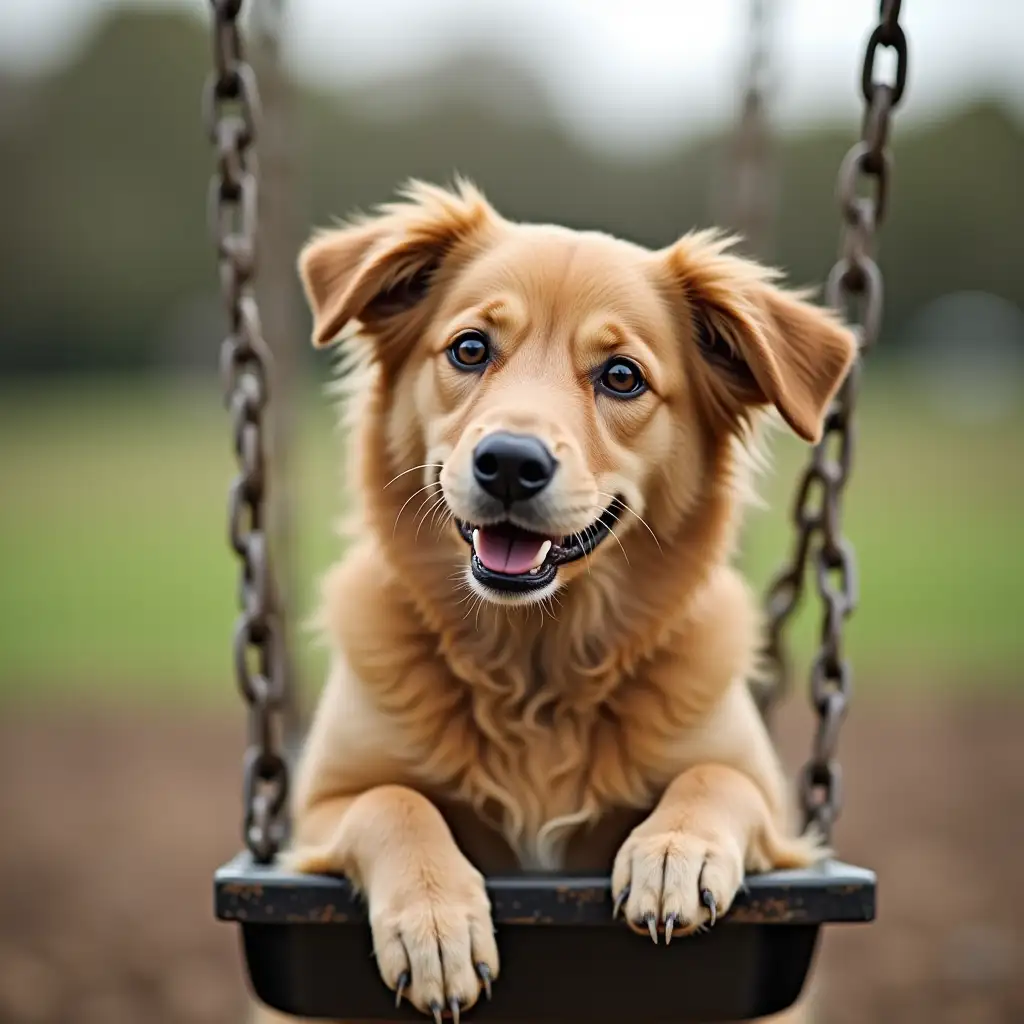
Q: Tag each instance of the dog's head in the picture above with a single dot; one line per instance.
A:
(563, 391)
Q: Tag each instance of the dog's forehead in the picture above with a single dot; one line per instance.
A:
(549, 270)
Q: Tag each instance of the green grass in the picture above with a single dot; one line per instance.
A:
(115, 575)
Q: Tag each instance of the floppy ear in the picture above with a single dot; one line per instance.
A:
(378, 269)
(762, 344)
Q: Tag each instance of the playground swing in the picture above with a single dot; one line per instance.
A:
(305, 938)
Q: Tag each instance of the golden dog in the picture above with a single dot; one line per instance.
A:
(540, 652)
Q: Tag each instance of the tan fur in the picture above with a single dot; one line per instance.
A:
(610, 729)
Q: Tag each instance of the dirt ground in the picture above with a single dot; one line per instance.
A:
(110, 825)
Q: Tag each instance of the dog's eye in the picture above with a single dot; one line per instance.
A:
(622, 377)
(471, 350)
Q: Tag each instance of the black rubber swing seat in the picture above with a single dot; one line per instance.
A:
(308, 953)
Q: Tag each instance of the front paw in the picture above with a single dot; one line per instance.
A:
(675, 882)
(434, 941)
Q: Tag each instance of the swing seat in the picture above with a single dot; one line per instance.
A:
(308, 953)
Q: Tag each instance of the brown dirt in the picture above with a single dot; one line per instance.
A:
(110, 825)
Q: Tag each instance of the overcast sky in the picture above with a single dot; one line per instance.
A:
(618, 70)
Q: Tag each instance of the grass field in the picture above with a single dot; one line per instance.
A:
(114, 573)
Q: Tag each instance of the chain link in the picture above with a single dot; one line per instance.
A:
(231, 114)
(752, 186)
(752, 182)
(854, 288)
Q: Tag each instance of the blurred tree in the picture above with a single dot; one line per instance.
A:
(102, 198)
(104, 170)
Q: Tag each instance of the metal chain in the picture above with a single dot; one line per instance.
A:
(753, 193)
(231, 115)
(855, 288)
(752, 197)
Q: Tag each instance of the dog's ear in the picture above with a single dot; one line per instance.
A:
(379, 269)
(760, 343)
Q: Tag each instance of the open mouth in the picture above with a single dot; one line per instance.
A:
(515, 560)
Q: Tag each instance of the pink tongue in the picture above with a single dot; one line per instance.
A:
(501, 553)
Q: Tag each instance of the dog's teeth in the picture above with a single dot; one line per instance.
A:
(476, 540)
(541, 555)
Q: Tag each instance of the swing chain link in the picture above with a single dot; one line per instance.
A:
(231, 115)
(754, 193)
(855, 288)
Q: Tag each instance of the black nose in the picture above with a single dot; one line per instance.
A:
(513, 467)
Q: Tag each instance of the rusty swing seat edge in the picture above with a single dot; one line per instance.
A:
(831, 892)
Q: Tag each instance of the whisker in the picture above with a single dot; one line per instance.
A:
(586, 554)
(423, 517)
(626, 506)
(619, 542)
(552, 602)
(425, 487)
(423, 505)
(433, 514)
(615, 536)
(426, 465)
(476, 601)
(445, 519)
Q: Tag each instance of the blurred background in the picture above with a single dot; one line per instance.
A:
(120, 731)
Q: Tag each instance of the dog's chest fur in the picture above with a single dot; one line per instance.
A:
(541, 734)
(550, 764)
(543, 775)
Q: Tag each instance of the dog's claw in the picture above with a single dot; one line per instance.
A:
(484, 973)
(435, 1009)
(456, 1007)
(670, 923)
(619, 900)
(403, 982)
(709, 901)
(652, 927)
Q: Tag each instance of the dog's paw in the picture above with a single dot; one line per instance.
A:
(675, 882)
(434, 943)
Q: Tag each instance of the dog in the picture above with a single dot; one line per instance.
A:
(540, 651)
